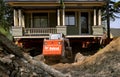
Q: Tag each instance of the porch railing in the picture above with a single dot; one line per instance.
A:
(39, 31)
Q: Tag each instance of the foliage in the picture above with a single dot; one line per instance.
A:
(6, 18)
(62, 6)
(114, 10)
(5, 15)
(6, 33)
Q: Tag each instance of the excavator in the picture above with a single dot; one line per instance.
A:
(57, 47)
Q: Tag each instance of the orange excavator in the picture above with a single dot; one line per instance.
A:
(57, 47)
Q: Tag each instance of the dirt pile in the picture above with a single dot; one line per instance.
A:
(105, 63)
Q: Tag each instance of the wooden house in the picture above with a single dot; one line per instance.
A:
(115, 33)
(77, 19)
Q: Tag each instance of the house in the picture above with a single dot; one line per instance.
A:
(36, 19)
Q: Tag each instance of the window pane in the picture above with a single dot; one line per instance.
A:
(71, 20)
(43, 21)
(84, 22)
(36, 22)
(40, 20)
(66, 20)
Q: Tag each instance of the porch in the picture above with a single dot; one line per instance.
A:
(41, 22)
(75, 22)
(21, 32)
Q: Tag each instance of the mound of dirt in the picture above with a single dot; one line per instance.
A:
(105, 63)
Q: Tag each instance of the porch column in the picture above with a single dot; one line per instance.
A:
(62, 28)
(58, 17)
(63, 17)
(31, 20)
(94, 22)
(99, 17)
(23, 21)
(15, 18)
(97, 30)
(20, 17)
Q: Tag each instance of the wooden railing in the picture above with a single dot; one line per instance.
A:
(39, 31)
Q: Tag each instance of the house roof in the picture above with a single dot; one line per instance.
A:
(115, 32)
(27, 4)
(56, 0)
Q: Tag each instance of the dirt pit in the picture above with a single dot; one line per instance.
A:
(104, 63)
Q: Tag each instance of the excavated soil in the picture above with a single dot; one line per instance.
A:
(104, 63)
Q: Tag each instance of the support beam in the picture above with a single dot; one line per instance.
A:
(94, 23)
(99, 17)
(58, 17)
(20, 17)
(15, 18)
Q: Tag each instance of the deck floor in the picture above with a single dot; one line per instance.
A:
(68, 36)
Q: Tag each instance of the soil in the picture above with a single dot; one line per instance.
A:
(104, 63)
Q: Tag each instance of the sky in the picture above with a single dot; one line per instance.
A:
(116, 23)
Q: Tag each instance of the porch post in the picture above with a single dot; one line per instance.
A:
(94, 23)
(63, 17)
(99, 17)
(58, 17)
(97, 30)
(23, 21)
(20, 17)
(17, 29)
(62, 28)
(15, 18)
(31, 20)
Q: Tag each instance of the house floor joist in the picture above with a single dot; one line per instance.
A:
(68, 36)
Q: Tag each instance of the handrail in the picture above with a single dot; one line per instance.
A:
(39, 31)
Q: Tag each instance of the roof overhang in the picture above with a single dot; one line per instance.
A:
(56, 4)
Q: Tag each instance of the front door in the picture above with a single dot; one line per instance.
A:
(84, 28)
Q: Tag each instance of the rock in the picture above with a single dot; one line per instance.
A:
(79, 57)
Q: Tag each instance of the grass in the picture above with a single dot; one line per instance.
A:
(6, 33)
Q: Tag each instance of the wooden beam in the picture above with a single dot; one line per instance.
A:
(56, 3)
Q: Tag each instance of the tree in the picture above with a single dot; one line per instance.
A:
(6, 18)
(114, 10)
(5, 15)
(110, 12)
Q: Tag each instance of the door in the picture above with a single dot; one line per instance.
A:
(84, 28)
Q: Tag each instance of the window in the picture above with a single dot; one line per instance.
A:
(70, 19)
(40, 20)
(84, 22)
